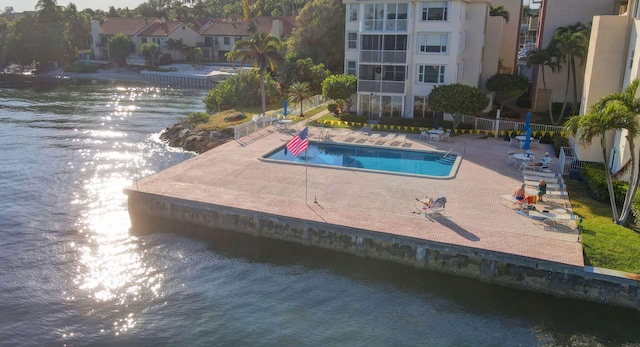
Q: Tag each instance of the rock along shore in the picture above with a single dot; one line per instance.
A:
(186, 137)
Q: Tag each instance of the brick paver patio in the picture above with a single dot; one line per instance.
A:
(232, 175)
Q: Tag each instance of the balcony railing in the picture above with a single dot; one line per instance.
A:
(395, 87)
(202, 44)
(398, 57)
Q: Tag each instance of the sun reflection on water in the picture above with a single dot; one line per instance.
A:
(113, 269)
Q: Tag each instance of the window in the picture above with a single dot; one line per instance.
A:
(227, 41)
(433, 42)
(143, 40)
(352, 12)
(373, 16)
(352, 41)
(396, 17)
(394, 73)
(351, 68)
(431, 73)
(435, 10)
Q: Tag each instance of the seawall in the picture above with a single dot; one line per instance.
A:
(151, 212)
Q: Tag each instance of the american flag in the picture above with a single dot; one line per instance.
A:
(299, 143)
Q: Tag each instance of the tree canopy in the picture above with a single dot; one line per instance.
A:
(340, 87)
(320, 34)
(507, 86)
(457, 100)
(120, 46)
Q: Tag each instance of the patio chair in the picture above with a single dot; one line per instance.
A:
(423, 134)
(536, 141)
(511, 158)
(446, 136)
(513, 140)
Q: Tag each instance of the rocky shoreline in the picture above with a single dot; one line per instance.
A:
(186, 137)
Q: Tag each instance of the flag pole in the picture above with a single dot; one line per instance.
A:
(306, 174)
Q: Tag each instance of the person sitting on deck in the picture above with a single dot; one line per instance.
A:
(544, 162)
(520, 193)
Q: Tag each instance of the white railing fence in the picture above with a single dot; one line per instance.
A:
(569, 164)
(260, 121)
(492, 125)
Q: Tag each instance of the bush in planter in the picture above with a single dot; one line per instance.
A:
(333, 108)
(596, 180)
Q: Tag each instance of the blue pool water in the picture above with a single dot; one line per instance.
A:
(395, 160)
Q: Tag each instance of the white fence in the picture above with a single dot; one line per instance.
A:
(258, 122)
(501, 127)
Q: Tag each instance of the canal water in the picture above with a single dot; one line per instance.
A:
(71, 273)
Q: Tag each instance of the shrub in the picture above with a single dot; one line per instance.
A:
(81, 67)
(351, 117)
(596, 180)
(524, 101)
(165, 59)
(195, 118)
(333, 108)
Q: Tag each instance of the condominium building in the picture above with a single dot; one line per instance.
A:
(400, 51)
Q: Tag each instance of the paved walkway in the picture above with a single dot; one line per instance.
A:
(232, 175)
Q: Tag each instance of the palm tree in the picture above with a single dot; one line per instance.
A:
(612, 112)
(544, 58)
(571, 42)
(264, 51)
(499, 11)
(298, 92)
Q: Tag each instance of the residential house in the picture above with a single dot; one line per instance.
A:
(400, 51)
(220, 35)
(214, 36)
(160, 32)
(102, 33)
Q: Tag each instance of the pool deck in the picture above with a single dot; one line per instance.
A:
(232, 175)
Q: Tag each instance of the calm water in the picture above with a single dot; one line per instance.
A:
(72, 274)
(371, 158)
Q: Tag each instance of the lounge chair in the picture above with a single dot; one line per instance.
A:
(436, 208)
(554, 217)
(519, 204)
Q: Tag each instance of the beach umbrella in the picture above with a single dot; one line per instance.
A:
(527, 122)
(527, 141)
(284, 108)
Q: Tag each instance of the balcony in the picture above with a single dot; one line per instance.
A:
(389, 57)
(395, 87)
(206, 44)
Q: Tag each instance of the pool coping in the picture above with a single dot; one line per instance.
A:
(452, 173)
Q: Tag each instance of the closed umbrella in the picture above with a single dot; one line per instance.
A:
(527, 141)
(284, 109)
(527, 122)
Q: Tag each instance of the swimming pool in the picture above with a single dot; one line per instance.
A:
(372, 158)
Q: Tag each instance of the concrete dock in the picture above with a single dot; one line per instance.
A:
(375, 214)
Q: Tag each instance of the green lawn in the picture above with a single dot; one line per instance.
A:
(605, 243)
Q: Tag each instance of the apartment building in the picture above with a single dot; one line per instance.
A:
(561, 13)
(400, 51)
(612, 63)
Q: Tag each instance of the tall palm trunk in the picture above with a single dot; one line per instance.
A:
(633, 185)
(546, 94)
(262, 92)
(575, 85)
(566, 95)
(612, 196)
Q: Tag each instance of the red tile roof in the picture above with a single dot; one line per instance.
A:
(161, 29)
(127, 26)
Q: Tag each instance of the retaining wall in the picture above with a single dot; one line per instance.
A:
(157, 213)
